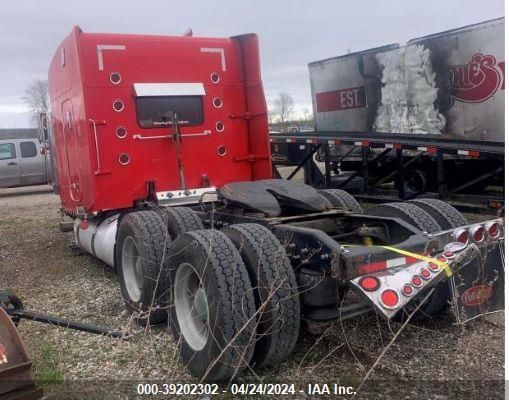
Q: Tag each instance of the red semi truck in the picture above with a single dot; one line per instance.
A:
(162, 152)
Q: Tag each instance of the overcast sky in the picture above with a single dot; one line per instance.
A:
(292, 33)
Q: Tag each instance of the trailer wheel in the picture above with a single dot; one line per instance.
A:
(141, 262)
(181, 220)
(341, 199)
(275, 290)
(416, 180)
(445, 214)
(213, 318)
(409, 213)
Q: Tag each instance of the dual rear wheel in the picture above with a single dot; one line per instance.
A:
(231, 295)
(236, 304)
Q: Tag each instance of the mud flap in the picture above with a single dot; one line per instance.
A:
(478, 288)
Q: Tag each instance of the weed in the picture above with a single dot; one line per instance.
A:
(48, 370)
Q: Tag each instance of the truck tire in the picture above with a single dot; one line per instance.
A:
(141, 252)
(215, 326)
(445, 214)
(342, 199)
(275, 291)
(180, 220)
(409, 213)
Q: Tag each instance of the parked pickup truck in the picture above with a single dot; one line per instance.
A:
(22, 163)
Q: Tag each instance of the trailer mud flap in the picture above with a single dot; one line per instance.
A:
(478, 287)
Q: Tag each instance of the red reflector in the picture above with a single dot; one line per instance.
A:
(416, 281)
(389, 298)
(84, 224)
(407, 290)
(478, 234)
(425, 273)
(433, 267)
(462, 236)
(449, 254)
(369, 283)
(493, 230)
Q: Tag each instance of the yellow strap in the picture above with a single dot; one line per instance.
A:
(445, 266)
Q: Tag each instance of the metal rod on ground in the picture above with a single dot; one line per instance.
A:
(64, 323)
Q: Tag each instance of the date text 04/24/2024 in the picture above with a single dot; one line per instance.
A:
(245, 389)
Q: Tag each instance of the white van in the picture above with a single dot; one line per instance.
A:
(22, 163)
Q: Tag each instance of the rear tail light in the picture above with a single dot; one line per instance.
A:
(477, 233)
(407, 290)
(493, 229)
(449, 255)
(389, 299)
(425, 273)
(461, 235)
(416, 281)
(369, 283)
(433, 267)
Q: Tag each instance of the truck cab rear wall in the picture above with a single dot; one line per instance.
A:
(105, 170)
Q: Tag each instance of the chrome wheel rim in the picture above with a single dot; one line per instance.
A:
(191, 306)
(132, 269)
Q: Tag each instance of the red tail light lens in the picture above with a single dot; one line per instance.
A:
(369, 283)
(389, 299)
(449, 254)
(425, 273)
(433, 267)
(493, 230)
(461, 235)
(407, 290)
(477, 233)
(416, 281)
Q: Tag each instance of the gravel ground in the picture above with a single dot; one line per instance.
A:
(429, 360)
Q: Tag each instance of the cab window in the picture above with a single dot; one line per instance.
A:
(155, 111)
(7, 151)
(28, 149)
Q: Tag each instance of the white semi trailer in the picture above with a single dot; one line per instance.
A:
(427, 115)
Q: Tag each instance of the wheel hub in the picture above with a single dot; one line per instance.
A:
(132, 269)
(191, 306)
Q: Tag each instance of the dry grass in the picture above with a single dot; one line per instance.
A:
(427, 360)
